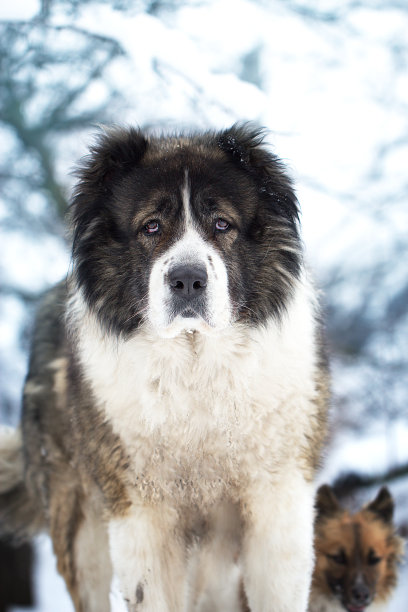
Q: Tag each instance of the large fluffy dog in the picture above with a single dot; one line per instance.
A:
(175, 403)
(356, 555)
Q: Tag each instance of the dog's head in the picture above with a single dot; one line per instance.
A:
(185, 232)
(356, 555)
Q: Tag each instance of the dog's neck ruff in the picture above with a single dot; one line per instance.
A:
(162, 379)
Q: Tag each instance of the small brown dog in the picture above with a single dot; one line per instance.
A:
(356, 555)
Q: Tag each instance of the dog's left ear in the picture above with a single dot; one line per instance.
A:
(244, 143)
(383, 505)
(327, 503)
(115, 151)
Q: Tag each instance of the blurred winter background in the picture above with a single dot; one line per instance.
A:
(329, 78)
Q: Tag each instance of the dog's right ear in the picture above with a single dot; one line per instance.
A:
(115, 152)
(327, 503)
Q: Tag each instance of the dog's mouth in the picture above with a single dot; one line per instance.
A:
(350, 607)
(195, 311)
(189, 313)
(354, 606)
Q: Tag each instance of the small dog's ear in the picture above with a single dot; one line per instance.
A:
(383, 505)
(244, 144)
(115, 152)
(327, 503)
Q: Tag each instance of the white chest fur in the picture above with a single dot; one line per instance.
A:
(200, 410)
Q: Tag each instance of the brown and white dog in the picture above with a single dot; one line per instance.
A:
(356, 555)
(175, 404)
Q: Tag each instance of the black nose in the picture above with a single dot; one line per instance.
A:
(360, 594)
(188, 281)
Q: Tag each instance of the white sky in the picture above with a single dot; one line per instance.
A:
(18, 9)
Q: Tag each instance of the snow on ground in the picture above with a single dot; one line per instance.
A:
(50, 592)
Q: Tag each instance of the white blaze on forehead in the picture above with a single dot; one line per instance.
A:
(192, 248)
(186, 199)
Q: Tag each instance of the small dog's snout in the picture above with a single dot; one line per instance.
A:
(188, 281)
(360, 593)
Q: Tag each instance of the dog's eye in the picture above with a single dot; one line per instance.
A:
(221, 225)
(152, 227)
(339, 558)
(373, 559)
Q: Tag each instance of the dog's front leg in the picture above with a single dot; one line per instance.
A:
(148, 560)
(278, 545)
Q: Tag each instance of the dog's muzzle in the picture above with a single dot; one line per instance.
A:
(188, 283)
